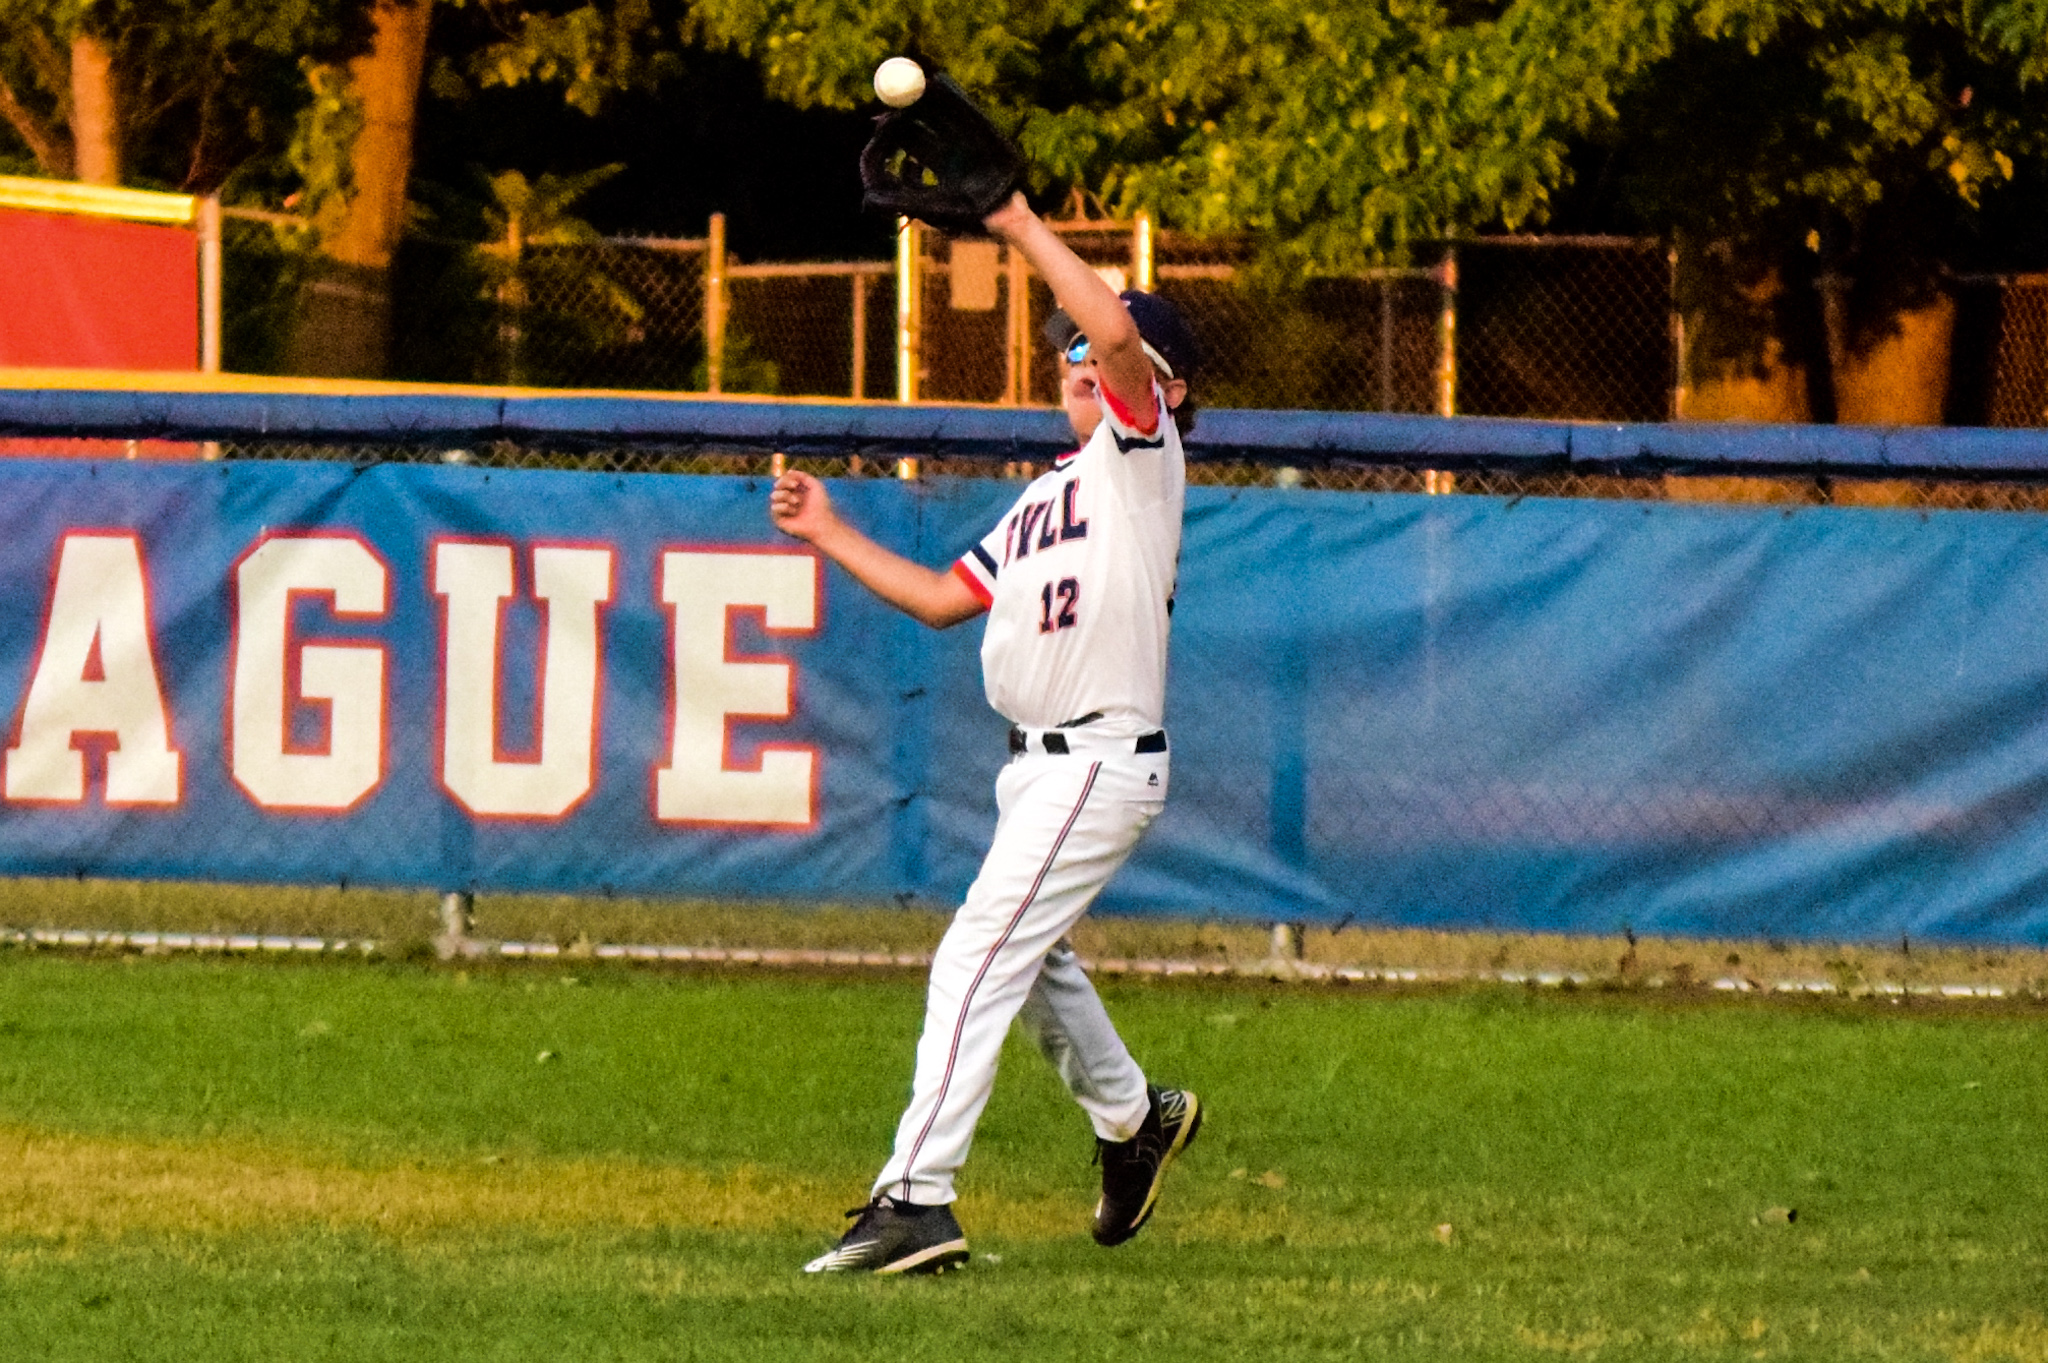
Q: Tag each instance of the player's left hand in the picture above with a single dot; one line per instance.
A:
(1010, 218)
(941, 161)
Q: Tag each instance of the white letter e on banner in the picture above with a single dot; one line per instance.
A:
(699, 785)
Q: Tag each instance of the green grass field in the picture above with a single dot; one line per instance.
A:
(203, 1159)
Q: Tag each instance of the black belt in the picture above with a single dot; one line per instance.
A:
(1056, 743)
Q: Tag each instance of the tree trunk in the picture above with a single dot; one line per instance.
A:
(1774, 391)
(1900, 379)
(343, 328)
(95, 112)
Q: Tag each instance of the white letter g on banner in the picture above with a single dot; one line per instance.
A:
(347, 678)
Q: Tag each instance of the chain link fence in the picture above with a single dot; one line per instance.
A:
(619, 313)
(1543, 327)
(615, 314)
(1371, 343)
(1409, 794)
(264, 265)
(812, 330)
(1577, 327)
(2018, 386)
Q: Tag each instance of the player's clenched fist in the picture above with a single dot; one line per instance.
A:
(799, 506)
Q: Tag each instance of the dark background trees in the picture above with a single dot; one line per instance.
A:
(1827, 167)
(1828, 173)
(705, 138)
(174, 93)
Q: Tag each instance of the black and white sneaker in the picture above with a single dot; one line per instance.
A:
(896, 1237)
(1132, 1170)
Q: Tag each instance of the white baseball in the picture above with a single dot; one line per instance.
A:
(898, 82)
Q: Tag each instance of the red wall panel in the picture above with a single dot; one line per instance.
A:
(93, 293)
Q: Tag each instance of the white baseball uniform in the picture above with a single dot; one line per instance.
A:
(1078, 578)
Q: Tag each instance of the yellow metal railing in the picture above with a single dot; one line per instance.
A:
(99, 201)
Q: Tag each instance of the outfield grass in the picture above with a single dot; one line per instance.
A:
(281, 1160)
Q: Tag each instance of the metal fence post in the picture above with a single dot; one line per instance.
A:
(1285, 960)
(909, 316)
(1681, 362)
(209, 284)
(458, 915)
(1017, 330)
(208, 221)
(1447, 335)
(714, 307)
(909, 321)
(860, 334)
(1435, 480)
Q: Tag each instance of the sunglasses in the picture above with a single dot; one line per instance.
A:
(1077, 353)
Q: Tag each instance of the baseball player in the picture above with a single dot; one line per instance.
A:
(1077, 582)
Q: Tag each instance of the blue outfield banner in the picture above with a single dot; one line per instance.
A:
(1540, 714)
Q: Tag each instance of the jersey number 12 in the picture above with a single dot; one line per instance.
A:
(1067, 594)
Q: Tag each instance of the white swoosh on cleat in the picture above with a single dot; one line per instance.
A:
(846, 1256)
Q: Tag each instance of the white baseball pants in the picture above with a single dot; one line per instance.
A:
(1064, 825)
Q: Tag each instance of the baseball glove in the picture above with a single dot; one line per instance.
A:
(940, 161)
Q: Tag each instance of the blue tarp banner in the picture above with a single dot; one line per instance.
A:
(1580, 716)
(1541, 714)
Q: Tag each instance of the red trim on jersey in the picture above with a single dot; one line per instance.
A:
(966, 574)
(1128, 419)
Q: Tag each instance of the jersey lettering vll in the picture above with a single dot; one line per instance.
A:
(1078, 579)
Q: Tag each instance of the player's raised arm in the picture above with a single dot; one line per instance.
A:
(1113, 341)
(802, 509)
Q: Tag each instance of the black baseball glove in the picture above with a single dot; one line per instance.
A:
(940, 161)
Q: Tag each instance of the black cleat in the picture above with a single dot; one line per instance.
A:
(1132, 1170)
(896, 1237)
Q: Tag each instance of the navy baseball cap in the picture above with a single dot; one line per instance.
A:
(1160, 324)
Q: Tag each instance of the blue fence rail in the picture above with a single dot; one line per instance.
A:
(1278, 437)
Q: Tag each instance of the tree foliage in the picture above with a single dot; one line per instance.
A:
(199, 87)
(1855, 142)
(538, 286)
(1872, 140)
(590, 51)
(1342, 134)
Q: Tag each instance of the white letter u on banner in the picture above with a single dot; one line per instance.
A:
(474, 581)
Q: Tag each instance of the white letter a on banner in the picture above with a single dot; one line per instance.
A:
(96, 674)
